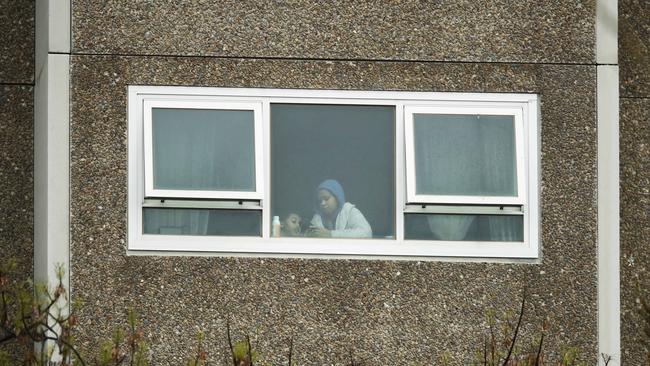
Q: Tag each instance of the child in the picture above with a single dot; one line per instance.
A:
(291, 225)
(334, 217)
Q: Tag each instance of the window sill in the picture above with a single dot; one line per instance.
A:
(358, 248)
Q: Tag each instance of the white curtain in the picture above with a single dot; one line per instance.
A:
(176, 221)
(503, 180)
(464, 155)
(450, 227)
(203, 149)
(197, 149)
(505, 228)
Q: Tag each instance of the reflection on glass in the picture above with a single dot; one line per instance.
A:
(184, 221)
(196, 149)
(464, 227)
(465, 155)
(350, 144)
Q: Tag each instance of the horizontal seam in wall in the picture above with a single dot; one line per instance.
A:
(339, 59)
(634, 97)
(16, 84)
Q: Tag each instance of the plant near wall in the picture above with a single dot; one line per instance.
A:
(500, 340)
(120, 350)
(34, 314)
(200, 355)
(352, 360)
(501, 343)
(40, 316)
(241, 351)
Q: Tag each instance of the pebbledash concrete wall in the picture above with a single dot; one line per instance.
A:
(16, 132)
(16, 135)
(634, 56)
(384, 312)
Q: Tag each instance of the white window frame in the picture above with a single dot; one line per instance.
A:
(464, 108)
(527, 203)
(151, 191)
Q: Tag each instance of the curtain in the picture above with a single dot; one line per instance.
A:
(450, 227)
(501, 179)
(464, 155)
(505, 228)
(196, 149)
(175, 221)
(203, 149)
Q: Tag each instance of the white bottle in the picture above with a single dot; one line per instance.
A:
(276, 227)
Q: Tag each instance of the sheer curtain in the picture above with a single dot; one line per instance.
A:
(203, 149)
(464, 155)
(450, 227)
(502, 180)
(505, 228)
(176, 221)
(196, 149)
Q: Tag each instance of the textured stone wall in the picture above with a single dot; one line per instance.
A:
(634, 59)
(385, 312)
(16, 132)
(489, 31)
(17, 42)
(16, 135)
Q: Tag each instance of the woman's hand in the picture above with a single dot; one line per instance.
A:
(319, 232)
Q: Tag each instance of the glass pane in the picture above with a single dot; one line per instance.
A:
(196, 149)
(460, 155)
(464, 227)
(185, 221)
(349, 150)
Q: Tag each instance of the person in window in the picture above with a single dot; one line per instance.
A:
(334, 217)
(291, 225)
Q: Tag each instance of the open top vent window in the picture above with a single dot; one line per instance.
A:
(465, 155)
(203, 149)
(333, 173)
(466, 174)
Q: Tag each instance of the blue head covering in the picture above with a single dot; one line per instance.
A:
(334, 188)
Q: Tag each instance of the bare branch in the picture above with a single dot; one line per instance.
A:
(290, 349)
(232, 351)
(539, 350)
(606, 358)
(9, 336)
(485, 353)
(514, 336)
(250, 352)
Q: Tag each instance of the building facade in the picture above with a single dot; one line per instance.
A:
(66, 73)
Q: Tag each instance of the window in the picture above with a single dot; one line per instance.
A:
(473, 158)
(346, 173)
(203, 149)
(352, 144)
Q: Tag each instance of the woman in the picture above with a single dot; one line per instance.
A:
(334, 217)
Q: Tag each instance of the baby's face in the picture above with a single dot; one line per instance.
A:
(291, 225)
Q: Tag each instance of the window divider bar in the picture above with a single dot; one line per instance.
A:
(400, 169)
(473, 210)
(266, 151)
(224, 205)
